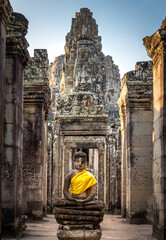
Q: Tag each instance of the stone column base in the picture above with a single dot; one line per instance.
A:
(94, 234)
(159, 232)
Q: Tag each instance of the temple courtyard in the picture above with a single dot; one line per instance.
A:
(114, 227)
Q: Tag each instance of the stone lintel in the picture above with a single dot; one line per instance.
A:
(84, 133)
(141, 104)
(88, 118)
(156, 44)
(5, 11)
(92, 125)
(16, 43)
(37, 95)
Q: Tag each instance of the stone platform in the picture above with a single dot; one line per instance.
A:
(79, 234)
(113, 228)
(78, 221)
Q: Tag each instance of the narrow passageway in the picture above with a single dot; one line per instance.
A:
(114, 227)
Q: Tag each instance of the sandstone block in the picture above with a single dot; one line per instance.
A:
(79, 234)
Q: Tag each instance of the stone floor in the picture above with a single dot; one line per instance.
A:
(113, 228)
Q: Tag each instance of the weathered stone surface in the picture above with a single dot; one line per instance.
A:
(36, 106)
(78, 220)
(72, 211)
(85, 87)
(16, 42)
(17, 57)
(135, 104)
(156, 49)
(79, 234)
(90, 205)
(5, 12)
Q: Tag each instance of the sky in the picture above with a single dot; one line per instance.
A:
(122, 24)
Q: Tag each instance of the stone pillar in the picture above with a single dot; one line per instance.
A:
(112, 180)
(17, 57)
(36, 105)
(50, 167)
(136, 95)
(156, 48)
(123, 158)
(5, 12)
(107, 174)
(101, 179)
(118, 171)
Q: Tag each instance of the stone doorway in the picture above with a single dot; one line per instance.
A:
(95, 149)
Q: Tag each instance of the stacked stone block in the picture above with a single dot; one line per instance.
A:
(17, 57)
(156, 49)
(5, 12)
(78, 221)
(36, 106)
(85, 88)
(135, 104)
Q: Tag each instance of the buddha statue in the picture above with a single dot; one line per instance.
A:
(79, 214)
(82, 182)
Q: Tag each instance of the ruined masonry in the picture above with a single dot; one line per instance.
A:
(13, 65)
(136, 118)
(5, 12)
(40, 130)
(156, 49)
(36, 106)
(85, 86)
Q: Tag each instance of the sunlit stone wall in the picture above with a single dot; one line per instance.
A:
(135, 104)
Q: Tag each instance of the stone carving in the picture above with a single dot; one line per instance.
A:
(85, 88)
(36, 79)
(79, 215)
(15, 39)
(31, 177)
(6, 10)
(79, 104)
(7, 172)
(87, 80)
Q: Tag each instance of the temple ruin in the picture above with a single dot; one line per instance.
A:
(85, 86)
(48, 112)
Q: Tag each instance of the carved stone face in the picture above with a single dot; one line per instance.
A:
(80, 163)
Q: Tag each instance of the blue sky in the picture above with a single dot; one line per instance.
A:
(122, 24)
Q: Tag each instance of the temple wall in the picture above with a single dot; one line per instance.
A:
(136, 131)
(156, 49)
(36, 104)
(17, 57)
(5, 11)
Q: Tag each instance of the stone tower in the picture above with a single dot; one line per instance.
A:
(85, 88)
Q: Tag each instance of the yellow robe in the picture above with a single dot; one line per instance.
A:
(81, 182)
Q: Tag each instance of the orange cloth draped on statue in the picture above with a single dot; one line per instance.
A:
(81, 182)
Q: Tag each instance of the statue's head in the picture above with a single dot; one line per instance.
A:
(80, 160)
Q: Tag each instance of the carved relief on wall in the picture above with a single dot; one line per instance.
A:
(84, 139)
(32, 176)
(7, 172)
(80, 104)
